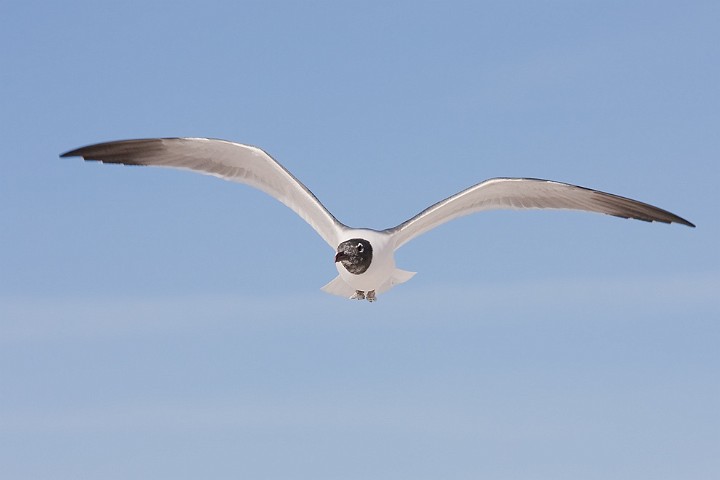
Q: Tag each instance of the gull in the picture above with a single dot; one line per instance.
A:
(364, 257)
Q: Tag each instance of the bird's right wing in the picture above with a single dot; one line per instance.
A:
(227, 160)
(527, 193)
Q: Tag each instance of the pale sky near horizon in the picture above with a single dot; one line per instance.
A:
(164, 325)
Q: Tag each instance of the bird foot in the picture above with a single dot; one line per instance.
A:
(360, 295)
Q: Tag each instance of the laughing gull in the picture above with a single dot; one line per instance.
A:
(365, 258)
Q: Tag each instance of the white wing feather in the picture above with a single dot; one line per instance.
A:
(527, 193)
(227, 160)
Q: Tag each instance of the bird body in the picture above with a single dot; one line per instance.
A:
(381, 274)
(365, 258)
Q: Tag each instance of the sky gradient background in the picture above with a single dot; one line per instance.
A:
(165, 325)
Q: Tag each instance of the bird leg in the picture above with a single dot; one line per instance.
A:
(360, 295)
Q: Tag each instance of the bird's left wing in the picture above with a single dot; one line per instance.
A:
(226, 160)
(527, 193)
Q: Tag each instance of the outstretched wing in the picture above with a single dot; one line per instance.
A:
(226, 160)
(526, 193)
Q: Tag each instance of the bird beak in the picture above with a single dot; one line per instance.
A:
(340, 256)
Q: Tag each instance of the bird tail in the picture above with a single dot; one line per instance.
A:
(398, 277)
(338, 286)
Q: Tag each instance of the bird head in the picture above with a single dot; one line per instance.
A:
(355, 255)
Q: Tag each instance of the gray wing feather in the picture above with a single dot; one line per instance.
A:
(527, 193)
(227, 160)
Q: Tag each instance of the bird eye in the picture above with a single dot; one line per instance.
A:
(360, 248)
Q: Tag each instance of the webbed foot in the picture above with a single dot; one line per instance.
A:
(358, 295)
(370, 296)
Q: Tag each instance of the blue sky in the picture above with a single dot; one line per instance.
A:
(159, 324)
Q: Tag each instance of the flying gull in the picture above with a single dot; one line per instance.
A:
(364, 258)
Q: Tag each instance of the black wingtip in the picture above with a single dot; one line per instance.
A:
(78, 152)
(679, 220)
(71, 153)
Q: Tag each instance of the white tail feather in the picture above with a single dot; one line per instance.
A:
(337, 286)
(398, 277)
